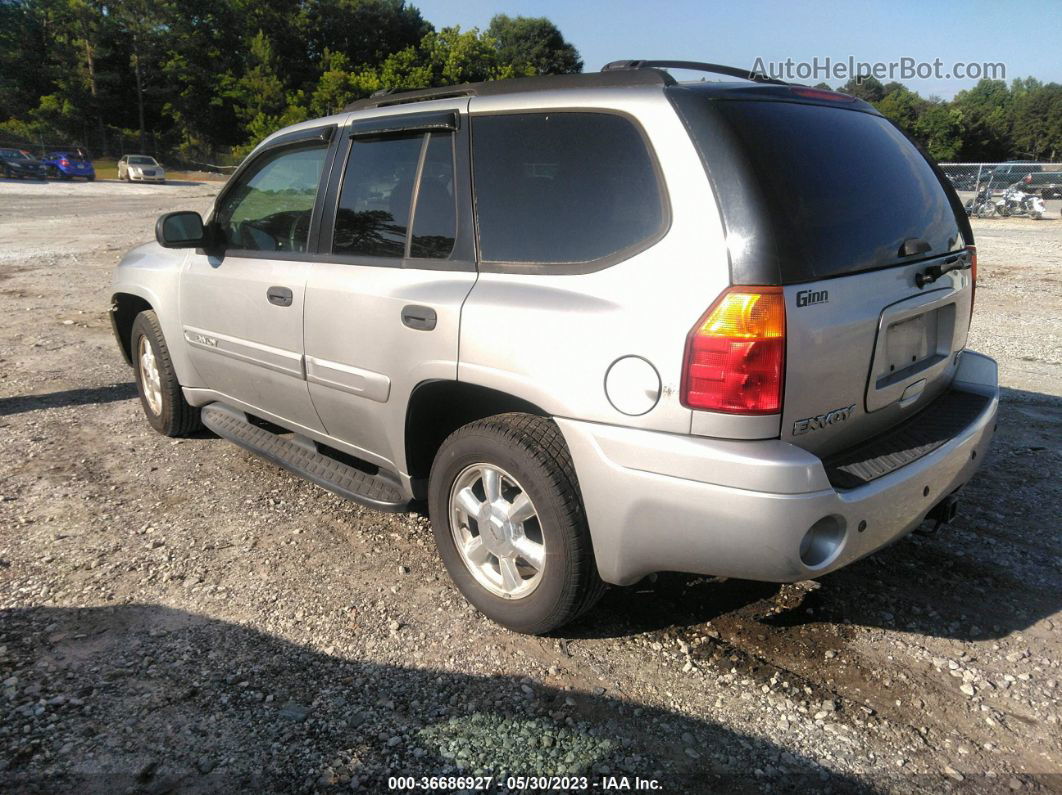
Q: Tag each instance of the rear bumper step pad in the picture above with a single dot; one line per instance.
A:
(375, 491)
(938, 423)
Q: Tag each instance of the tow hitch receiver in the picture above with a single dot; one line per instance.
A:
(942, 513)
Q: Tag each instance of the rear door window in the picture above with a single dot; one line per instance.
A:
(380, 199)
(563, 187)
(435, 221)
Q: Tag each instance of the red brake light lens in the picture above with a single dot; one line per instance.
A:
(735, 355)
(819, 93)
(64, 162)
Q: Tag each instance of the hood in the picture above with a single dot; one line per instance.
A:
(154, 257)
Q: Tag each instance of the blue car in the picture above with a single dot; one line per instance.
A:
(69, 164)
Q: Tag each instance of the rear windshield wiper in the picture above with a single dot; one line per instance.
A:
(933, 272)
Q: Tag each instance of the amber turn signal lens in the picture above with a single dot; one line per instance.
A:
(748, 316)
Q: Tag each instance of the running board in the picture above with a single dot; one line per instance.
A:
(301, 457)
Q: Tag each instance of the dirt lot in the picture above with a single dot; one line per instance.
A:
(178, 615)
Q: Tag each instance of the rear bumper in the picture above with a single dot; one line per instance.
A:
(663, 502)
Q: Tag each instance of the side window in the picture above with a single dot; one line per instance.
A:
(376, 202)
(269, 208)
(562, 187)
(435, 222)
(377, 196)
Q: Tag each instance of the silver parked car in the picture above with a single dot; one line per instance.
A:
(140, 168)
(603, 325)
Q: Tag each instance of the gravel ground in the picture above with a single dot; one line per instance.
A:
(179, 615)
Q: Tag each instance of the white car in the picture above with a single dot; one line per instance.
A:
(140, 168)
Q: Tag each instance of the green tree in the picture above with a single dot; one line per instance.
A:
(533, 45)
(139, 22)
(365, 31)
(262, 102)
(903, 107)
(867, 88)
(986, 119)
(1036, 126)
(939, 129)
(447, 57)
(340, 85)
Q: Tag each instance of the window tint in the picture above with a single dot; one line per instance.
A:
(816, 191)
(374, 204)
(435, 219)
(270, 207)
(562, 187)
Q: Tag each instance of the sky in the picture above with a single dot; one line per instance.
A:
(1025, 37)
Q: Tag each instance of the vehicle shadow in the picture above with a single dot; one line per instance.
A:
(148, 698)
(992, 572)
(68, 397)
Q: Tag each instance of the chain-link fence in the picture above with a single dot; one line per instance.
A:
(1043, 179)
(1013, 188)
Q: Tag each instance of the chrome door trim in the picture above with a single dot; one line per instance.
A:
(276, 359)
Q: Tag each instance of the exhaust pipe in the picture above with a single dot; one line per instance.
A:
(942, 513)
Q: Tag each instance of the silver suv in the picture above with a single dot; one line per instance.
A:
(603, 325)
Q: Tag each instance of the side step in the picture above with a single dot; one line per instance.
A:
(300, 456)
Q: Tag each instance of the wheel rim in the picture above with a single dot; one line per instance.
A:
(149, 376)
(496, 531)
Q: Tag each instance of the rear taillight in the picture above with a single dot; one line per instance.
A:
(973, 276)
(735, 355)
(64, 162)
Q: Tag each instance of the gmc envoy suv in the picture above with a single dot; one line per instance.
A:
(602, 325)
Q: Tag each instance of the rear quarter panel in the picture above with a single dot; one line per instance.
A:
(550, 338)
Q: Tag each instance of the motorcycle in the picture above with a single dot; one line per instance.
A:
(1018, 202)
(985, 204)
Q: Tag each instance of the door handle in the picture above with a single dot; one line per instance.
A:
(280, 296)
(421, 318)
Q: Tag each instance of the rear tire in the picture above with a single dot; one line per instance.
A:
(156, 382)
(530, 454)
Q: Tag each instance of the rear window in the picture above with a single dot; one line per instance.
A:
(812, 192)
(563, 187)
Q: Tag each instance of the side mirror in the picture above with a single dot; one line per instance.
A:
(180, 230)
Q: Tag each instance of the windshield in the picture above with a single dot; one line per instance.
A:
(14, 154)
(142, 160)
(810, 192)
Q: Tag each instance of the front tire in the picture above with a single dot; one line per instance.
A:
(156, 382)
(509, 523)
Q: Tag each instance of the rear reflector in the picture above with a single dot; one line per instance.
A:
(735, 355)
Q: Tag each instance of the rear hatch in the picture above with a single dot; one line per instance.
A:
(824, 197)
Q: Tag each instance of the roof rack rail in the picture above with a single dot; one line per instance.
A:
(714, 68)
(515, 85)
